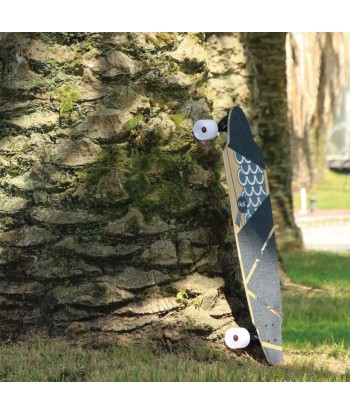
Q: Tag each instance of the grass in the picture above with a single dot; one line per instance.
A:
(326, 270)
(58, 362)
(332, 193)
(317, 318)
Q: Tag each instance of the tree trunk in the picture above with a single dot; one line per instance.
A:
(113, 219)
(317, 68)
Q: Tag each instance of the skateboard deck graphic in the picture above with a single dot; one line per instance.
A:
(254, 230)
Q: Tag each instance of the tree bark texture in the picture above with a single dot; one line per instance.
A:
(113, 218)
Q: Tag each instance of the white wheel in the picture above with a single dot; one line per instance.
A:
(237, 338)
(205, 129)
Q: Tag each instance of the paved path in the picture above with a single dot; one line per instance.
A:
(325, 230)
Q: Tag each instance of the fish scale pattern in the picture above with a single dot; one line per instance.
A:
(251, 178)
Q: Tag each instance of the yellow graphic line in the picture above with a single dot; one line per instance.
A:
(251, 272)
(251, 294)
(274, 311)
(268, 238)
(271, 346)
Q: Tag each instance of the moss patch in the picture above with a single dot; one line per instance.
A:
(68, 96)
(178, 119)
(103, 165)
(156, 181)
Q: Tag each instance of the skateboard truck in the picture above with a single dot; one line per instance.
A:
(254, 338)
(222, 125)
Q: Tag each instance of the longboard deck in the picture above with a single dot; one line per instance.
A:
(255, 233)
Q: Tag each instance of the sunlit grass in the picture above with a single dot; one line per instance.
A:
(319, 269)
(311, 320)
(332, 193)
(321, 317)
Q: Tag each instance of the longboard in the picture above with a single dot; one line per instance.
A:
(254, 229)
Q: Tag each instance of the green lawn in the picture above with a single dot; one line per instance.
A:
(332, 193)
(326, 270)
(320, 317)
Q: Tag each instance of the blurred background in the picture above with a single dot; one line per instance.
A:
(318, 96)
